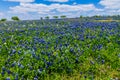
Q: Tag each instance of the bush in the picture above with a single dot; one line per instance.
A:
(15, 18)
(63, 16)
(55, 17)
(47, 17)
(3, 20)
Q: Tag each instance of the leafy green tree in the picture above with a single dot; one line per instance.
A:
(3, 20)
(47, 17)
(41, 18)
(63, 16)
(96, 16)
(81, 16)
(15, 18)
(55, 17)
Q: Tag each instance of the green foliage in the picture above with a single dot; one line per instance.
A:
(96, 16)
(81, 16)
(59, 50)
(63, 16)
(55, 17)
(41, 18)
(47, 17)
(3, 20)
(15, 18)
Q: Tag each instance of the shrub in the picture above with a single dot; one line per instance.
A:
(15, 18)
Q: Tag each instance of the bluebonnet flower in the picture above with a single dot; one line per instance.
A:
(3, 68)
(81, 73)
(22, 78)
(13, 64)
(49, 63)
(85, 76)
(34, 48)
(92, 62)
(48, 43)
(103, 28)
(60, 45)
(3, 40)
(47, 47)
(119, 55)
(99, 56)
(66, 44)
(37, 57)
(31, 68)
(2, 73)
(56, 41)
(42, 52)
(47, 67)
(103, 61)
(16, 77)
(19, 52)
(40, 70)
(0, 46)
(71, 50)
(20, 65)
(49, 55)
(8, 71)
(99, 46)
(7, 78)
(59, 37)
(76, 60)
(36, 78)
(13, 51)
(118, 42)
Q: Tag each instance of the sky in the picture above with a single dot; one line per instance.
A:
(34, 9)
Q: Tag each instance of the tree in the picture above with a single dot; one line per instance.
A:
(15, 18)
(41, 18)
(63, 16)
(81, 16)
(96, 16)
(47, 17)
(3, 20)
(55, 17)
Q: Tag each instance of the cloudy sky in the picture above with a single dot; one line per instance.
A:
(34, 9)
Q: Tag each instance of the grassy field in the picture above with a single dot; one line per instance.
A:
(60, 50)
(107, 20)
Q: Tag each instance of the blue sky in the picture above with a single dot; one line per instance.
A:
(34, 9)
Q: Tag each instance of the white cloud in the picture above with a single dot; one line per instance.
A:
(74, 3)
(55, 9)
(111, 7)
(71, 8)
(20, 0)
(1, 14)
(58, 0)
(110, 4)
(35, 10)
(46, 9)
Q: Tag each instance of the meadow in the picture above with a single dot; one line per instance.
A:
(60, 49)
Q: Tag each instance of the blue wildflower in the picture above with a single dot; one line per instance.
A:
(7, 78)
(119, 55)
(92, 62)
(8, 71)
(103, 61)
(3, 68)
(2, 73)
(85, 76)
(36, 78)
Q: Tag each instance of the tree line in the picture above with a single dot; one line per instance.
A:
(14, 18)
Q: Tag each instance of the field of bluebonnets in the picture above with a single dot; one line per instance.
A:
(60, 50)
